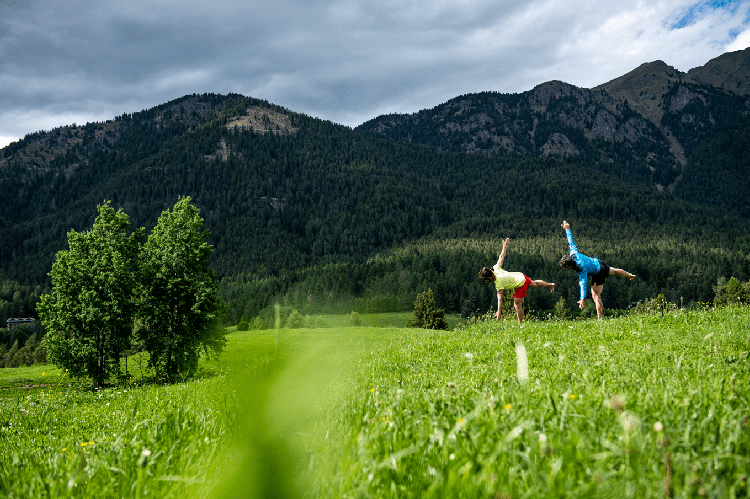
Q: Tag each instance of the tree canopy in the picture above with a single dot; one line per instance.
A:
(89, 313)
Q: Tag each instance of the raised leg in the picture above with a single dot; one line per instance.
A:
(621, 273)
(543, 284)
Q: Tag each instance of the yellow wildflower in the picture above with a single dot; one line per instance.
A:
(507, 407)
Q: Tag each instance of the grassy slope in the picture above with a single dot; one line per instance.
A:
(392, 412)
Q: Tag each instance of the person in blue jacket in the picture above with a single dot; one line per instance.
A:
(585, 266)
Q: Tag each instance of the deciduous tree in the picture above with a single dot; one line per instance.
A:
(89, 313)
(178, 307)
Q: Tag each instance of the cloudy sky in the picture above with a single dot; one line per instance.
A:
(341, 60)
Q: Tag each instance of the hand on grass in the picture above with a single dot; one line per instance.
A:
(582, 304)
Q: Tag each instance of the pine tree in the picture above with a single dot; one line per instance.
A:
(426, 314)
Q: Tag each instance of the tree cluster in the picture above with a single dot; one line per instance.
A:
(111, 291)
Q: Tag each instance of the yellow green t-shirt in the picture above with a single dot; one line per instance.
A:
(508, 280)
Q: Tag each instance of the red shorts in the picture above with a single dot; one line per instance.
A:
(521, 292)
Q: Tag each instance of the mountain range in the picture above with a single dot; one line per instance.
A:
(655, 153)
(686, 133)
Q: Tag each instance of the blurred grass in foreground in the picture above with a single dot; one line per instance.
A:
(640, 406)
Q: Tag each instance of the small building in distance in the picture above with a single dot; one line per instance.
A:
(16, 321)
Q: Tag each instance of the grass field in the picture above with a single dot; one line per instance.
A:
(639, 406)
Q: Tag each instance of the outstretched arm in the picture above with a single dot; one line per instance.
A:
(499, 303)
(571, 243)
(500, 260)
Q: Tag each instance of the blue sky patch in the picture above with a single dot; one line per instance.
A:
(687, 17)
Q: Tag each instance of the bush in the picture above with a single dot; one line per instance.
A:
(658, 305)
(561, 310)
(257, 324)
(426, 314)
(243, 326)
(294, 321)
(731, 292)
(313, 322)
(354, 319)
(589, 311)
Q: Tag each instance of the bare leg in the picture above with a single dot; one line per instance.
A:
(543, 284)
(596, 294)
(518, 304)
(621, 273)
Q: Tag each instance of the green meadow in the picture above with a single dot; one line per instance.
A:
(635, 406)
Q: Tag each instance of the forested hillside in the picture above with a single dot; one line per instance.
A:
(320, 215)
(682, 265)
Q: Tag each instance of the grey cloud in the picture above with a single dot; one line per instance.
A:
(346, 61)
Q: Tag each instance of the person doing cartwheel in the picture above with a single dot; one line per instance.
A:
(517, 281)
(586, 266)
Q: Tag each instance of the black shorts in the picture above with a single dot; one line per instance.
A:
(598, 278)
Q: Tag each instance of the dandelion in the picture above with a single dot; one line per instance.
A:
(572, 397)
(507, 407)
(64, 449)
(372, 390)
(84, 444)
(658, 427)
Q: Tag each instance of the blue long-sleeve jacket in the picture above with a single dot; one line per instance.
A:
(586, 264)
